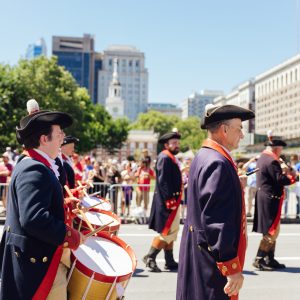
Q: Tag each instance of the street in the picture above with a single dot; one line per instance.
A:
(258, 285)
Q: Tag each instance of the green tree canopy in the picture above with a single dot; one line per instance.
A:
(191, 133)
(55, 89)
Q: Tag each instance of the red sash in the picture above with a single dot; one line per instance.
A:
(243, 240)
(273, 228)
(174, 212)
(47, 282)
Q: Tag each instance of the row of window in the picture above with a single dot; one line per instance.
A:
(279, 82)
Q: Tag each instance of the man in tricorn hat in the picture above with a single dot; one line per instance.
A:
(270, 179)
(213, 243)
(67, 150)
(164, 216)
(35, 235)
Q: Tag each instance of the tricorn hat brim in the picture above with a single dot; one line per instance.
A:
(69, 140)
(34, 122)
(167, 136)
(276, 143)
(225, 112)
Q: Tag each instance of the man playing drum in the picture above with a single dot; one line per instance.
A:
(35, 234)
(164, 217)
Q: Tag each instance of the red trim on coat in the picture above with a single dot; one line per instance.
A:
(47, 282)
(276, 222)
(176, 205)
(243, 240)
(44, 289)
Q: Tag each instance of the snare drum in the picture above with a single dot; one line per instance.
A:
(91, 201)
(101, 268)
(98, 218)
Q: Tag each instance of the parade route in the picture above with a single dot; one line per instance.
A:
(258, 285)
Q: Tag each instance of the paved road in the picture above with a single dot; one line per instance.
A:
(258, 285)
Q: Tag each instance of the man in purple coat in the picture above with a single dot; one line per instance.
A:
(213, 243)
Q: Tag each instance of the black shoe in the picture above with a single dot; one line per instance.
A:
(262, 265)
(171, 266)
(275, 264)
(151, 264)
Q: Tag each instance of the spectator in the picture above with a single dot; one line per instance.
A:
(78, 168)
(113, 177)
(97, 176)
(127, 190)
(144, 174)
(5, 172)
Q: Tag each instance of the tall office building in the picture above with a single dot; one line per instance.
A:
(195, 104)
(277, 106)
(37, 49)
(133, 77)
(78, 56)
(166, 108)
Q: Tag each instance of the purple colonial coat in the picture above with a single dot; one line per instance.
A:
(212, 229)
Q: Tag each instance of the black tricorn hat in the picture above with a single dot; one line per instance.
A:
(225, 112)
(275, 143)
(69, 140)
(169, 135)
(38, 120)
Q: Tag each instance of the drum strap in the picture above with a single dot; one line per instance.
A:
(88, 287)
(111, 289)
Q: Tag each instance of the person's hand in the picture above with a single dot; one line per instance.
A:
(243, 180)
(234, 284)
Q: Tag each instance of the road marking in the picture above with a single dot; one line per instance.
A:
(179, 235)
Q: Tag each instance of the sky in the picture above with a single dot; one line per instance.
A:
(189, 45)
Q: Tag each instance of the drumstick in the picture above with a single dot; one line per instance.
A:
(84, 188)
(85, 209)
(86, 219)
(68, 191)
(98, 229)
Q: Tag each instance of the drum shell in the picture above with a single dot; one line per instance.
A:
(101, 284)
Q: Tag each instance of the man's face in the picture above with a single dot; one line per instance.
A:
(173, 146)
(52, 144)
(233, 133)
(68, 149)
(5, 159)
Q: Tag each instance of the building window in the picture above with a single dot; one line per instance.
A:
(130, 63)
(110, 62)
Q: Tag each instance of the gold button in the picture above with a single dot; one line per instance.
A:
(33, 260)
(177, 193)
(17, 254)
(191, 228)
(66, 244)
(69, 233)
(234, 266)
(224, 269)
(45, 259)
(209, 248)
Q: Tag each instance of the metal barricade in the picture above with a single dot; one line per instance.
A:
(101, 188)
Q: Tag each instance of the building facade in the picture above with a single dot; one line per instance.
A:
(133, 77)
(278, 100)
(195, 104)
(166, 108)
(78, 56)
(37, 49)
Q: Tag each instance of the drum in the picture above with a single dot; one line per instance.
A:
(97, 218)
(101, 268)
(91, 201)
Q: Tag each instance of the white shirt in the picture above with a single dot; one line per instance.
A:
(51, 161)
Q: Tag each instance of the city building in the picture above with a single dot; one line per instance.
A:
(37, 49)
(78, 56)
(114, 103)
(277, 100)
(133, 77)
(166, 108)
(137, 140)
(195, 104)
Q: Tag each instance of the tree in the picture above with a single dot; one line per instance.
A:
(55, 89)
(191, 133)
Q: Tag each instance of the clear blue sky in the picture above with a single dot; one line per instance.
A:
(189, 44)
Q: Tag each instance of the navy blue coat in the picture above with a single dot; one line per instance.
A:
(34, 228)
(212, 228)
(168, 186)
(270, 182)
(70, 174)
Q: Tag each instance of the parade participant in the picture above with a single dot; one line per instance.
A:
(164, 216)
(213, 244)
(67, 150)
(35, 234)
(270, 180)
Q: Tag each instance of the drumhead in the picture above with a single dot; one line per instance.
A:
(103, 256)
(91, 201)
(97, 218)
